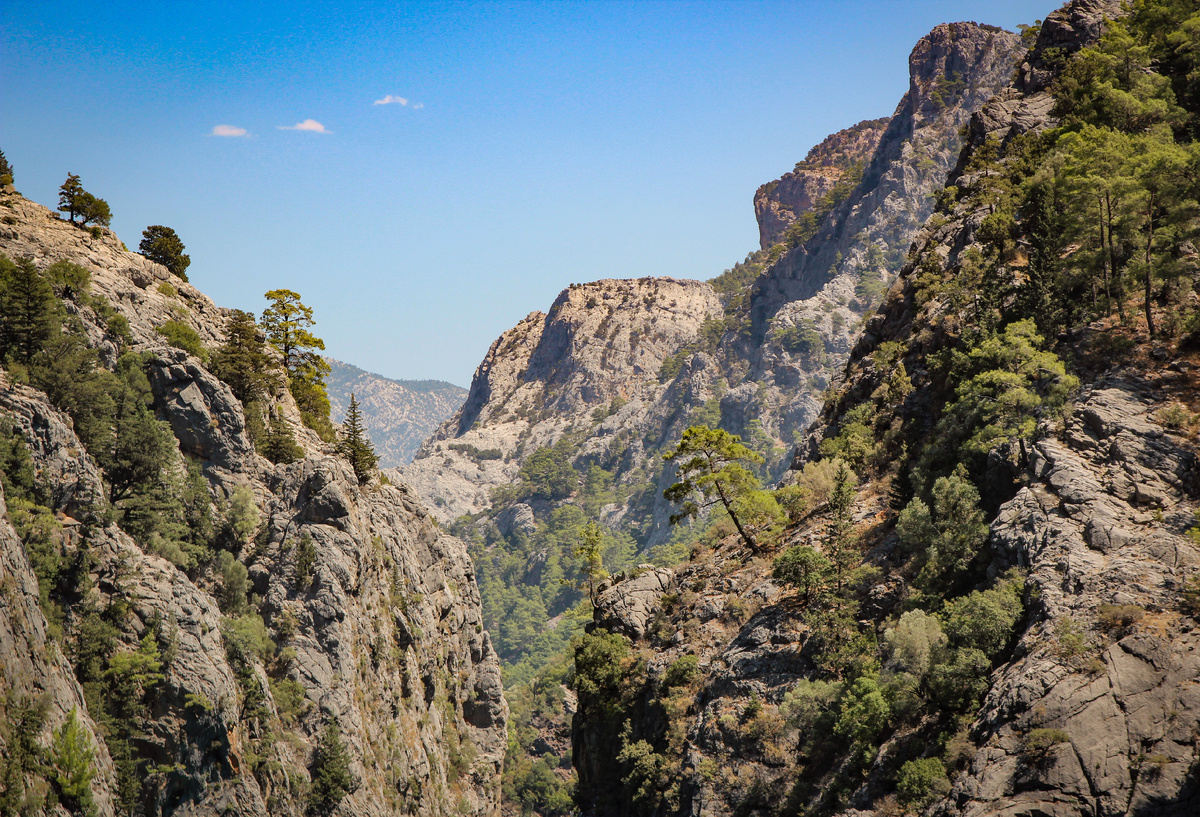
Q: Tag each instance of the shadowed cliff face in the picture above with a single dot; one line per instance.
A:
(372, 613)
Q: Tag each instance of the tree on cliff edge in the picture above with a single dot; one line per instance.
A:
(713, 466)
(162, 245)
(286, 322)
(355, 446)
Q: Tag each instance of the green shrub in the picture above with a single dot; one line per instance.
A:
(682, 672)
(306, 561)
(332, 779)
(804, 568)
(985, 619)
(247, 637)
(1119, 616)
(235, 581)
(71, 755)
(920, 782)
(242, 517)
(1038, 744)
(182, 336)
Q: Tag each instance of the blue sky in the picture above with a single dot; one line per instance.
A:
(537, 144)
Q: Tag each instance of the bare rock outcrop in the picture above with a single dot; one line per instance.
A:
(1103, 524)
(779, 203)
(597, 352)
(627, 606)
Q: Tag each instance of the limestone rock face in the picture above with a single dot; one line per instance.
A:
(778, 204)
(627, 607)
(953, 71)
(373, 612)
(597, 352)
(33, 667)
(1088, 532)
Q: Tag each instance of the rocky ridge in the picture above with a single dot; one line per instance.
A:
(777, 204)
(525, 394)
(591, 365)
(1092, 712)
(374, 611)
(396, 414)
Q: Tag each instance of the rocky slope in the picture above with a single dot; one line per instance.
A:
(398, 415)
(590, 365)
(733, 702)
(372, 614)
(742, 355)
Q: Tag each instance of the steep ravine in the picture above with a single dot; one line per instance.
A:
(372, 612)
(733, 353)
(713, 688)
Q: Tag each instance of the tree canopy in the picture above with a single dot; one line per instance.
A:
(162, 245)
(77, 202)
(712, 464)
(355, 446)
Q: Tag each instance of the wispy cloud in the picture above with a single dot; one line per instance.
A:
(392, 99)
(308, 125)
(228, 130)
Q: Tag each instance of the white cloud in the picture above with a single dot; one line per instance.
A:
(228, 130)
(393, 100)
(418, 106)
(308, 125)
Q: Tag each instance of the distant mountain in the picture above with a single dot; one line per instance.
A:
(397, 414)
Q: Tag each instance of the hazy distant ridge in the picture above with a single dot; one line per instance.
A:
(397, 414)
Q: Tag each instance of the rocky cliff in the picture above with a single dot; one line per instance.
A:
(779, 203)
(1047, 671)
(589, 368)
(672, 352)
(398, 415)
(326, 651)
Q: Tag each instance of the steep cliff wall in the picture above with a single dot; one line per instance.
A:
(351, 643)
(741, 692)
(777, 204)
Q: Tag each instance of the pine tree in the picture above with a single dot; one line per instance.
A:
(280, 445)
(5, 170)
(714, 467)
(355, 446)
(68, 196)
(242, 361)
(161, 244)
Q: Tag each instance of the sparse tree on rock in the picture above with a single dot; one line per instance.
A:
(280, 445)
(68, 196)
(75, 201)
(242, 361)
(6, 171)
(713, 465)
(355, 446)
(286, 323)
(162, 245)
